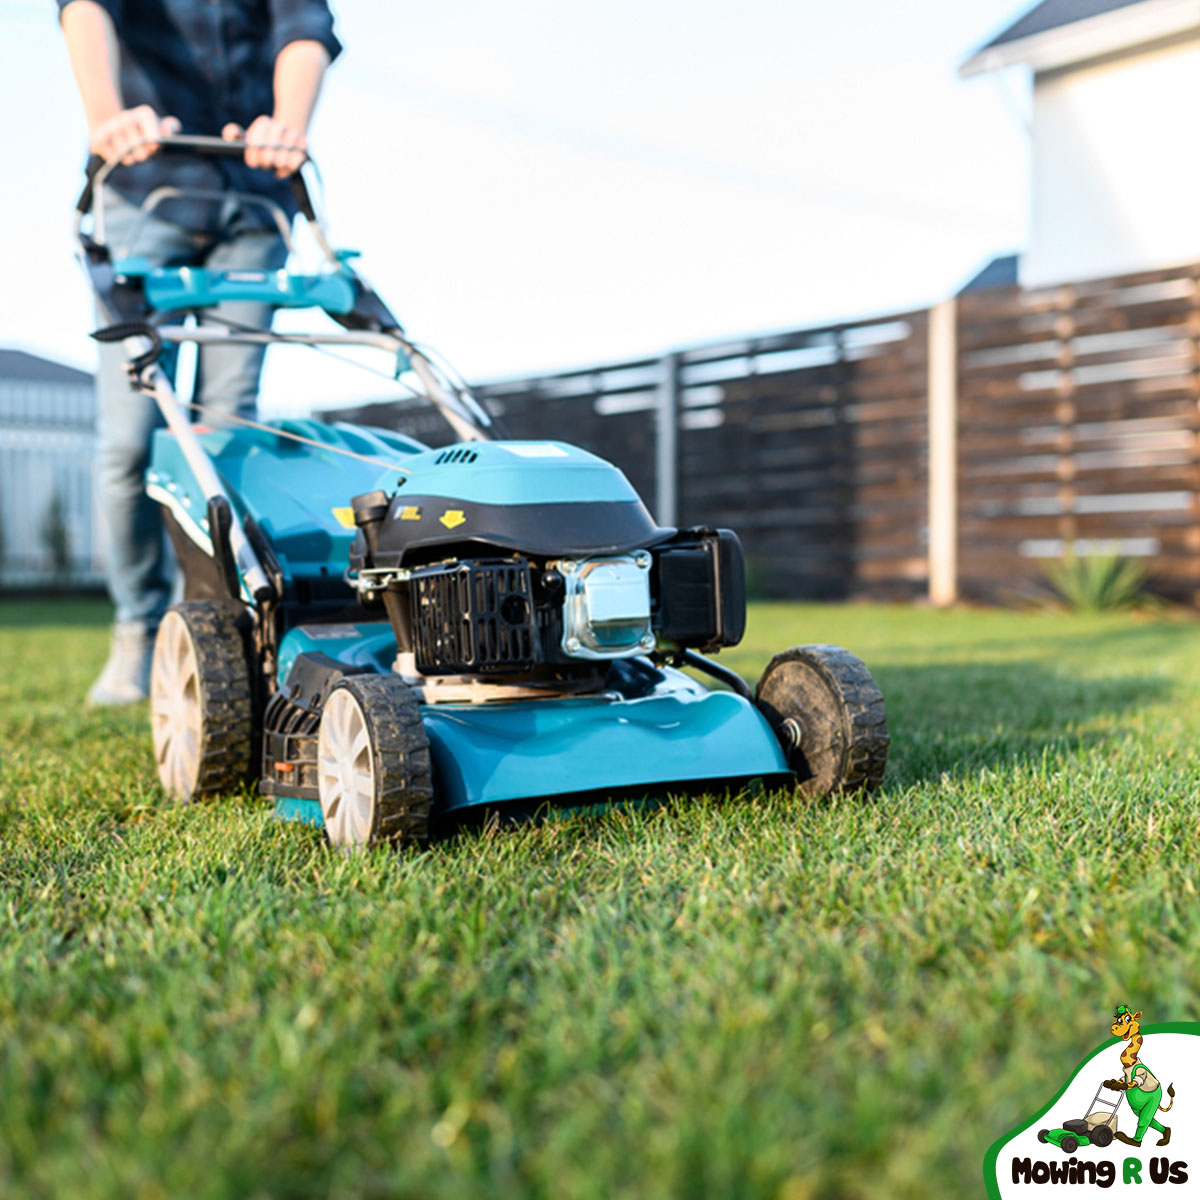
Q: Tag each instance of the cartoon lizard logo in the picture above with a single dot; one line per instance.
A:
(1141, 1089)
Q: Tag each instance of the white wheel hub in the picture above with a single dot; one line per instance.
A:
(176, 716)
(345, 771)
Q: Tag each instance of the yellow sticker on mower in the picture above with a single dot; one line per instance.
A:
(452, 518)
(345, 517)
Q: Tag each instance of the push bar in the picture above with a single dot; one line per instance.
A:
(99, 169)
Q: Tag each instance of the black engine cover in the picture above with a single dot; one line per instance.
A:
(699, 586)
(417, 527)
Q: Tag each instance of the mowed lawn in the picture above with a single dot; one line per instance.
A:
(733, 997)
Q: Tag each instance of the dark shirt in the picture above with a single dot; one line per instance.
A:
(207, 62)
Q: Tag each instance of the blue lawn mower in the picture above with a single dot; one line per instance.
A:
(390, 640)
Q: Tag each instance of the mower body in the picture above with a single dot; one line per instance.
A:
(1058, 1136)
(549, 697)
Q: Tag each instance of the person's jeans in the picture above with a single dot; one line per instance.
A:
(226, 383)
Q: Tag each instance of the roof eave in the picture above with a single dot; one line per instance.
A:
(1120, 29)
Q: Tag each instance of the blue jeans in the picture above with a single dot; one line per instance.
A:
(139, 568)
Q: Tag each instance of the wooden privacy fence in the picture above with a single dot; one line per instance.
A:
(946, 452)
(810, 444)
(1078, 428)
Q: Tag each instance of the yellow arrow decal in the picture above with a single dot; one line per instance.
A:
(452, 518)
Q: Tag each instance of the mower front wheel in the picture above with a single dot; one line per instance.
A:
(201, 701)
(373, 770)
(829, 717)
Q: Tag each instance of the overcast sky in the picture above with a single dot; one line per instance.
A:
(547, 183)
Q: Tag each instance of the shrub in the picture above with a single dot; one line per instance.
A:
(1100, 582)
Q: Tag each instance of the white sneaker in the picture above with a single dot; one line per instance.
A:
(126, 676)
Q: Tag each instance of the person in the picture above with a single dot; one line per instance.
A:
(145, 69)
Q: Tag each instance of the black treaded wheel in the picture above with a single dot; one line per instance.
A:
(201, 701)
(1101, 1136)
(829, 716)
(373, 770)
(1069, 1145)
(1042, 1135)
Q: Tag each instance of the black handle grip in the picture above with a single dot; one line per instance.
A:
(301, 195)
(202, 146)
(84, 204)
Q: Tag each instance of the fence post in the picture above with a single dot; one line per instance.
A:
(666, 444)
(943, 453)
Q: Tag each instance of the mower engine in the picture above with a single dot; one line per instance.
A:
(535, 591)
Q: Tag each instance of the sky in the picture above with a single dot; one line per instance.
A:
(545, 184)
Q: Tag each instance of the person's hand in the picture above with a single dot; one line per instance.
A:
(273, 146)
(131, 136)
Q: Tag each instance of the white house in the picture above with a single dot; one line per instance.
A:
(47, 450)
(1116, 158)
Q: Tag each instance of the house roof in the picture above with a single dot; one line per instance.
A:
(1002, 271)
(1050, 14)
(30, 368)
(1059, 33)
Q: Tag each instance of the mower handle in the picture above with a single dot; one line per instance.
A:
(200, 146)
(375, 325)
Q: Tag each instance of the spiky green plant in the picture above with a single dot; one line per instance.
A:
(1095, 583)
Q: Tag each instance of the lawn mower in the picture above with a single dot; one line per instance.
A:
(390, 639)
(1093, 1129)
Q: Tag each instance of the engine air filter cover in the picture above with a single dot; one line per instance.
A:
(473, 617)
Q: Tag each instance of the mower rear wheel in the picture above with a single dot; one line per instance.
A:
(373, 771)
(829, 717)
(1101, 1136)
(201, 705)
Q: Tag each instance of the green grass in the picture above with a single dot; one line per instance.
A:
(727, 998)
